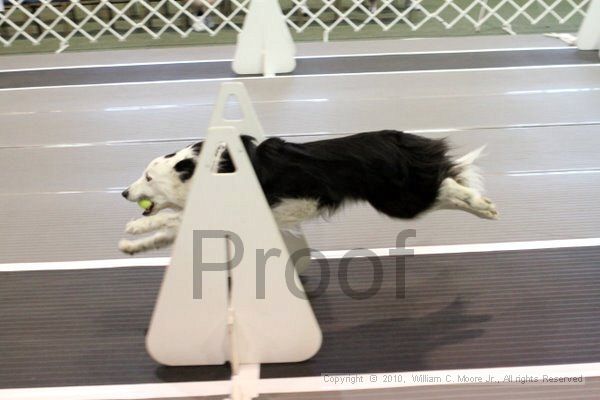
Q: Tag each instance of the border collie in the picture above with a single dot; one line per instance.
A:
(400, 174)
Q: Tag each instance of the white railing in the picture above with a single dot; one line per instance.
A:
(37, 21)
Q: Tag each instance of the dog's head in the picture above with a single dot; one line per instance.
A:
(165, 181)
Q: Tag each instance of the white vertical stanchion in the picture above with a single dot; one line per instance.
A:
(265, 45)
(589, 33)
(250, 125)
(255, 310)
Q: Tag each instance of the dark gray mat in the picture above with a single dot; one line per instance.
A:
(459, 311)
(305, 66)
(63, 328)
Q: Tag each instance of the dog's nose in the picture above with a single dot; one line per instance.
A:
(125, 193)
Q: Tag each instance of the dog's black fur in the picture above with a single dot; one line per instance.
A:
(398, 173)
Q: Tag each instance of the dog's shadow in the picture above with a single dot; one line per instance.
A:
(381, 345)
(391, 344)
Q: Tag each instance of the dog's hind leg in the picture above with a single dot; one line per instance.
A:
(158, 240)
(151, 223)
(289, 213)
(454, 196)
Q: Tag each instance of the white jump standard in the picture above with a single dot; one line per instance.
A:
(588, 37)
(230, 322)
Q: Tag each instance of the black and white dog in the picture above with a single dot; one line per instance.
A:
(399, 174)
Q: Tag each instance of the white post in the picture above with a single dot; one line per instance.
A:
(250, 125)
(265, 45)
(589, 33)
(482, 15)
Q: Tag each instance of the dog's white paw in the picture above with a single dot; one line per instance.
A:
(489, 214)
(135, 226)
(485, 208)
(127, 246)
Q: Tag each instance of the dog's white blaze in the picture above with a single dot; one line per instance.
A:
(165, 189)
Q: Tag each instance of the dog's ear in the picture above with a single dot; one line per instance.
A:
(196, 147)
(185, 168)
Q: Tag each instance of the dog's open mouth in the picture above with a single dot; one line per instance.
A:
(147, 205)
(148, 210)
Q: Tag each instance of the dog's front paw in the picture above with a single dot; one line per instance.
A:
(134, 227)
(127, 246)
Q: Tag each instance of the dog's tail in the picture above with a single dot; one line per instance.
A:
(466, 172)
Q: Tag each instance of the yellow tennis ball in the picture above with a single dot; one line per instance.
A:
(145, 204)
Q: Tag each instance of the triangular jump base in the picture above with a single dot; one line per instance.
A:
(219, 301)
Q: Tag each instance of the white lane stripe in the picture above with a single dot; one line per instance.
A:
(286, 385)
(329, 254)
(121, 392)
(115, 65)
(176, 62)
(193, 139)
(188, 140)
(301, 76)
(580, 171)
(463, 51)
(472, 248)
(505, 127)
(86, 264)
(406, 379)
(134, 83)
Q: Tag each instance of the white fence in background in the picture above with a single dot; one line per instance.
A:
(37, 21)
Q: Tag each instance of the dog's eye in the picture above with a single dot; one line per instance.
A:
(148, 178)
